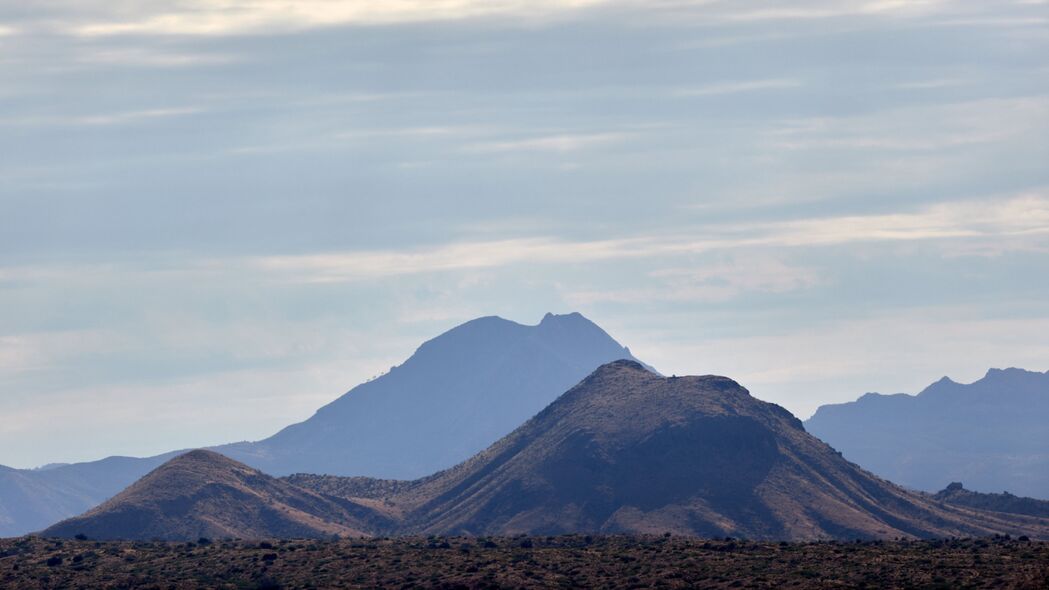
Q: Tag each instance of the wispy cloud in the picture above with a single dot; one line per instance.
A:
(223, 17)
(560, 143)
(917, 128)
(738, 87)
(1020, 222)
(102, 119)
(933, 83)
(722, 280)
(151, 57)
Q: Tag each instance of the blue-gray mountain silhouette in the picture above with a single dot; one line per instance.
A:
(459, 392)
(992, 434)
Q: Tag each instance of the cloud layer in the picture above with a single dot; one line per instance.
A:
(247, 208)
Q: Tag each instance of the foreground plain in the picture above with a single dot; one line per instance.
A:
(524, 562)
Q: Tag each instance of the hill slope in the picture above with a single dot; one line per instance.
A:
(992, 434)
(627, 450)
(204, 494)
(959, 496)
(455, 396)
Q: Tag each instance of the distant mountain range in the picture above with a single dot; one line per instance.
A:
(457, 394)
(992, 434)
(625, 450)
(31, 499)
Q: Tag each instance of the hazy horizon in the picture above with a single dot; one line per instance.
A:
(214, 218)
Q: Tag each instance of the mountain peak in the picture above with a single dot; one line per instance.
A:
(1010, 374)
(620, 365)
(201, 457)
(562, 318)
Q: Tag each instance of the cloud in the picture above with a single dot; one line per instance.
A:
(1017, 222)
(718, 281)
(549, 143)
(928, 128)
(224, 17)
(738, 87)
(151, 57)
(103, 119)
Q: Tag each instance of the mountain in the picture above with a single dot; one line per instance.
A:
(956, 494)
(457, 394)
(624, 451)
(204, 494)
(630, 451)
(31, 499)
(992, 434)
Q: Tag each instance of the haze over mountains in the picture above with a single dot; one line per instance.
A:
(463, 390)
(992, 434)
(456, 395)
(626, 450)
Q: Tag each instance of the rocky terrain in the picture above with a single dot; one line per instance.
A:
(573, 561)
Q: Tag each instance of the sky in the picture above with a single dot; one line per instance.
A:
(217, 216)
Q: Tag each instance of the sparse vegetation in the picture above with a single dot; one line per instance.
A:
(565, 561)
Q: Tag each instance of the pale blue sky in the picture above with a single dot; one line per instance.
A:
(215, 218)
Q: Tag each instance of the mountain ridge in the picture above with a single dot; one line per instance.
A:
(992, 433)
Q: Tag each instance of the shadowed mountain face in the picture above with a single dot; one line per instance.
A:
(455, 396)
(992, 434)
(203, 494)
(625, 450)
